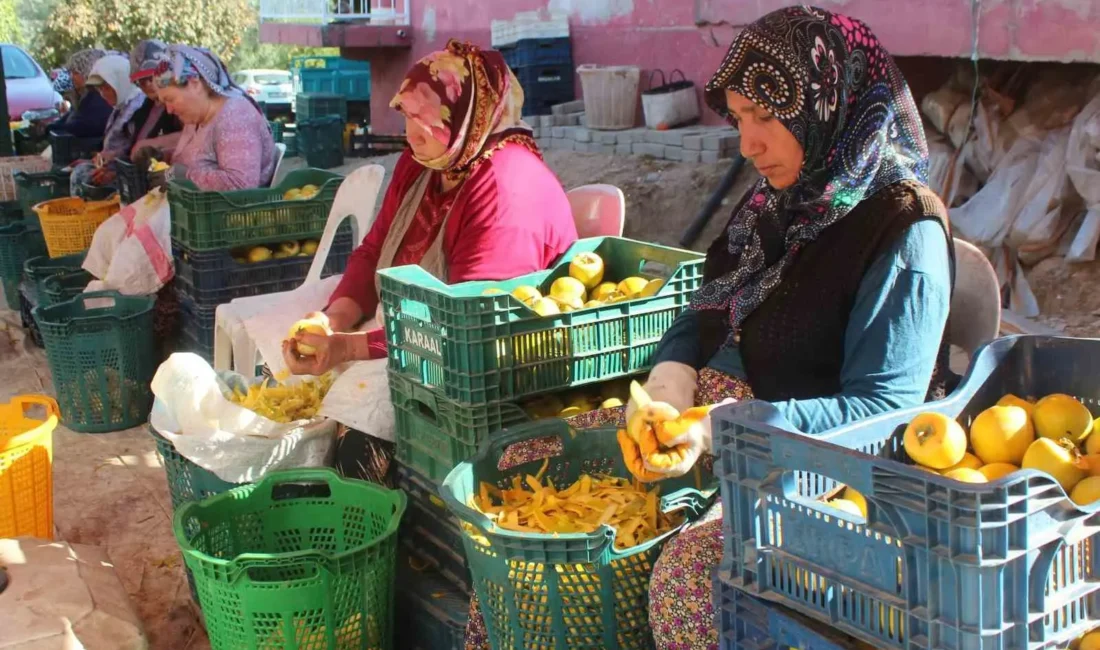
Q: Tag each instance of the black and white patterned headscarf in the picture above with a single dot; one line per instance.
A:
(827, 79)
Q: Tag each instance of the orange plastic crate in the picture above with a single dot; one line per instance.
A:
(26, 467)
(69, 224)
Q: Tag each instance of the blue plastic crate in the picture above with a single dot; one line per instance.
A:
(196, 326)
(538, 51)
(431, 613)
(747, 623)
(430, 532)
(310, 106)
(1011, 564)
(545, 86)
(66, 148)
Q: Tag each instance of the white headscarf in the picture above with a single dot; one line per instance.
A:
(114, 70)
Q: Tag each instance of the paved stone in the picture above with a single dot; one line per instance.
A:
(674, 153)
(693, 142)
(708, 156)
(687, 155)
(624, 149)
(720, 142)
(559, 132)
(576, 106)
(581, 134)
(649, 149)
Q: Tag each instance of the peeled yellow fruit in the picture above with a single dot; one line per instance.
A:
(604, 291)
(568, 290)
(1002, 434)
(1059, 459)
(969, 461)
(1087, 491)
(994, 471)
(592, 303)
(1061, 416)
(572, 303)
(309, 246)
(1090, 641)
(526, 294)
(1092, 444)
(308, 326)
(856, 498)
(611, 403)
(293, 194)
(587, 268)
(847, 506)
(632, 286)
(545, 307)
(1012, 400)
(259, 254)
(966, 475)
(935, 440)
(651, 288)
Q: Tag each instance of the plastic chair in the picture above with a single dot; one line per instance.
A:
(976, 303)
(355, 200)
(280, 149)
(598, 210)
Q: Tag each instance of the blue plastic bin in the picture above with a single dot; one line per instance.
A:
(538, 51)
(1006, 565)
(431, 613)
(545, 86)
(430, 533)
(747, 623)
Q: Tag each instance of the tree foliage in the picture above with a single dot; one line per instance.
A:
(11, 29)
(118, 24)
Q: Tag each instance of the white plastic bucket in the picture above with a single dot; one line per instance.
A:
(610, 96)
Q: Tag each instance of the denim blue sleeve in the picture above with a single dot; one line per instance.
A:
(681, 341)
(893, 334)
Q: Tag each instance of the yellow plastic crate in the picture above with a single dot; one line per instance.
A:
(26, 467)
(69, 224)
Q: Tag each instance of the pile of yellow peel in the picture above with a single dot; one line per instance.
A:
(287, 403)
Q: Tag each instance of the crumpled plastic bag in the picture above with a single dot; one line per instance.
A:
(1083, 167)
(238, 445)
(131, 251)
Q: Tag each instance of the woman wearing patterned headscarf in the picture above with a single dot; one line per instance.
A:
(152, 126)
(470, 199)
(225, 143)
(90, 113)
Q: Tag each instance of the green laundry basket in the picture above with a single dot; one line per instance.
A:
(101, 348)
(279, 567)
(63, 286)
(560, 592)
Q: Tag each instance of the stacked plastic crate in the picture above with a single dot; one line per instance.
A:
(24, 182)
(320, 128)
(468, 360)
(230, 245)
(544, 67)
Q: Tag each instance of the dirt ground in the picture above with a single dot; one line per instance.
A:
(1068, 295)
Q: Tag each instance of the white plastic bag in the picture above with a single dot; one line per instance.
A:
(140, 261)
(988, 217)
(1083, 168)
(1041, 221)
(236, 444)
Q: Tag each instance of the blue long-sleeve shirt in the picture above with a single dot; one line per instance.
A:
(890, 345)
(89, 120)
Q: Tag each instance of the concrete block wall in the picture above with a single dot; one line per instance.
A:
(565, 131)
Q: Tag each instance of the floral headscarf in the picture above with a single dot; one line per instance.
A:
(81, 62)
(469, 100)
(62, 81)
(183, 62)
(827, 79)
(145, 57)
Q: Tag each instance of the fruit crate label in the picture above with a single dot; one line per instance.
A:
(424, 341)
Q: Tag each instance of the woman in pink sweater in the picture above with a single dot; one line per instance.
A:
(225, 143)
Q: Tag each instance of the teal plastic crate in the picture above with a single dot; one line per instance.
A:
(429, 532)
(477, 348)
(321, 141)
(309, 106)
(213, 220)
(18, 242)
(431, 613)
(748, 623)
(34, 188)
(561, 591)
(1006, 565)
(37, 270)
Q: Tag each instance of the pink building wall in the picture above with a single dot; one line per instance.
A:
(692, 35)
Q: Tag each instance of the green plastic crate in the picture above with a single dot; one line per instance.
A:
(321, 141)
(18, 242)
(33, 188)
(11, 293)
(213, 220)
(276, 129)
(36, 270)
(476, 348)
(102, 352)
(431, 613)
(550, 592)
(308, 106)
(63, 286)
(309, 569)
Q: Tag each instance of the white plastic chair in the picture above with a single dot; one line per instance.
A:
(280, 150)
(976, 303)
(598, 210)
(355, 200)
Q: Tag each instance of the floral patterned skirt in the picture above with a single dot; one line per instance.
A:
(681, 613)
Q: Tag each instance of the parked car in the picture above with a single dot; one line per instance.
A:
(28, 86)
(271, 87)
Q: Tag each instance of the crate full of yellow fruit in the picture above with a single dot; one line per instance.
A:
(550, 534)
(596, 315)
(969, 519)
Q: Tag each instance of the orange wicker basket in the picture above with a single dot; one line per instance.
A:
(69, 224)
(26, 466)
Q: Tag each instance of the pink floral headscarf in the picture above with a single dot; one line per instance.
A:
(469, 100)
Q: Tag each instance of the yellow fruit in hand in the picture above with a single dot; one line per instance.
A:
(1061, 416)
(604, 291)
(526, 294)
(1002, 434)
(1087, 491)
(847, 506)
(309, 246)
(293, 194)
(1012, 400)
(1092, 443)
(308, 326)
(545, 307)
(1059, 459)
(568, 290)
(966, 475)
(856, 498)
(632, 286)
(588, 268)
(259, 254)
(935, 440)
(994, 471)
(969, 461)
(1090, 641)
(651, 288)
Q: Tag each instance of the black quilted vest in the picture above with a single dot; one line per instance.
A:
(792, 345)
